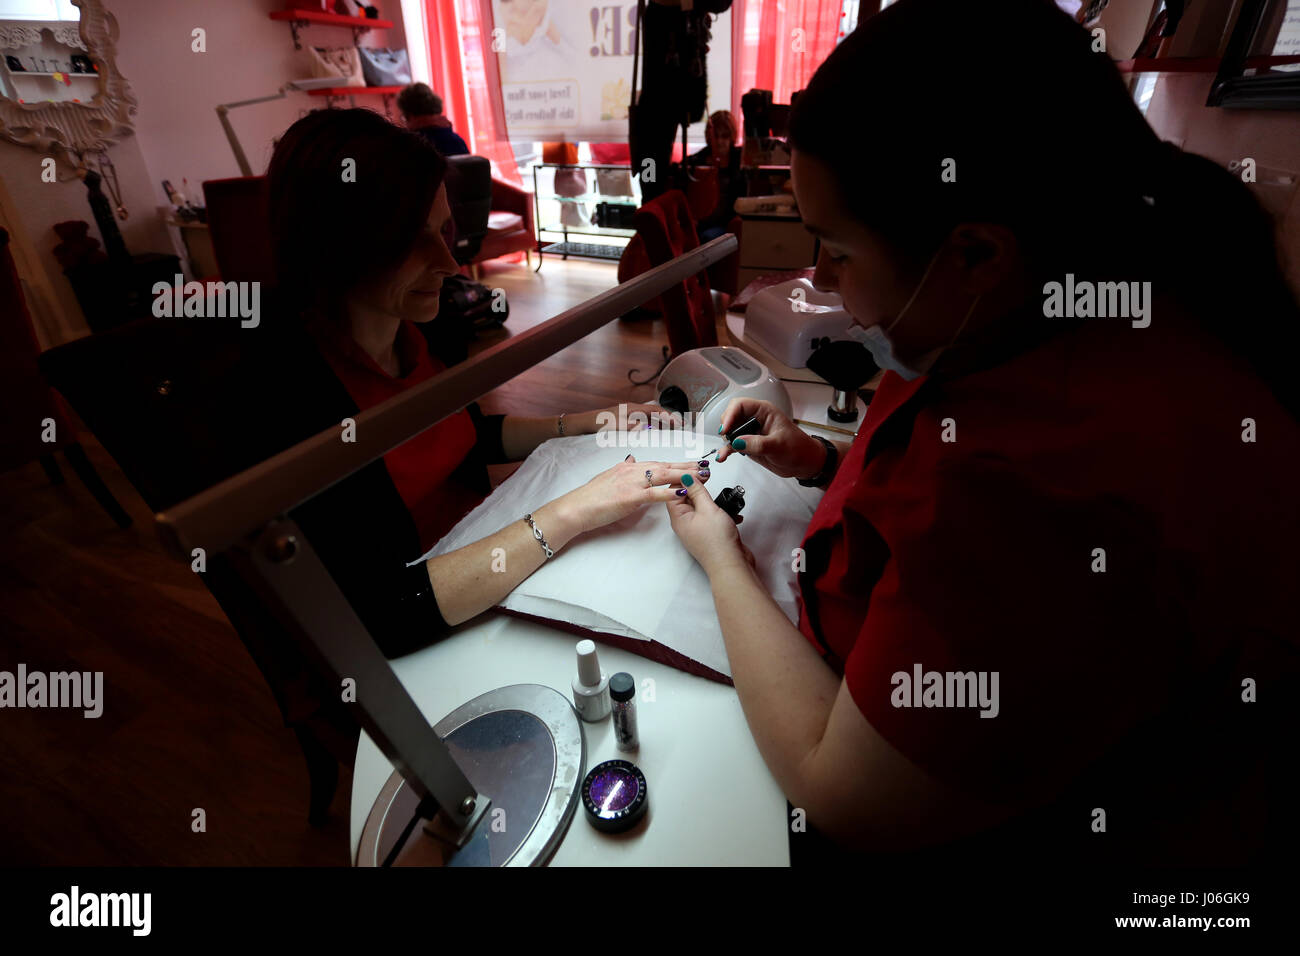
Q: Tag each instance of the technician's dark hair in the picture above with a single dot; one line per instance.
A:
(1047, 141)
(328, 232)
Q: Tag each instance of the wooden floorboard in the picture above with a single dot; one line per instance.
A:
(188, 721)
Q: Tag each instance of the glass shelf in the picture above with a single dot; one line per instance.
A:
(587, 250)
(592, 230)
(572, 233)
(592, 198)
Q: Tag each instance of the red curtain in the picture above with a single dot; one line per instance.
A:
(777, 45)
(467, 77)
(448, 75)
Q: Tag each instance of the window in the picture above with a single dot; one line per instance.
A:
(38, 10)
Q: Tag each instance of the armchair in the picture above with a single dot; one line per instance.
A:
(511, 227)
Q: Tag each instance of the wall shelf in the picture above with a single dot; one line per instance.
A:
(334, 95)
(1196, 64)
(297, 19)
(332, 91)
(90, 76)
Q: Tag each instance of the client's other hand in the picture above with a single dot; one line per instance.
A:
(706, 531)
(625, 489)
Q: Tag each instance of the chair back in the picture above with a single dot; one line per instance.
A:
(667, 229)
(239, 219)
(469, 193)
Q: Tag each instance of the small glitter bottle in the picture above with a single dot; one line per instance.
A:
(622, 694)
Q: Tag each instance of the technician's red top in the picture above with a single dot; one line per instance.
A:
(422, 467)
(983, 553)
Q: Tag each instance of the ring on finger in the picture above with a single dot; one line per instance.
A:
(649, 478)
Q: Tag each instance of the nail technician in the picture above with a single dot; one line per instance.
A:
(1045, 574)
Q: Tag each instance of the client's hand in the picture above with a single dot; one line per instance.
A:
(781, 447)
(624, 489)
(706, 530)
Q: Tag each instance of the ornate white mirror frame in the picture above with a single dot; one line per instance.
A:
(73, 127)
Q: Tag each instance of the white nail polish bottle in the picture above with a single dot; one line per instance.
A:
(591, 686)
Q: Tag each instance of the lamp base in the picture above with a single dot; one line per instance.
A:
(522, 746)
(843, 406)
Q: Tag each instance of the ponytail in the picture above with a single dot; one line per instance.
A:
(1220, 259)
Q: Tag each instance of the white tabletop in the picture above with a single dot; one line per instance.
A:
(712, 799)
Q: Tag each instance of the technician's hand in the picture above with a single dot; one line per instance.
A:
(624, 489)
(706, 530)
(782, 447)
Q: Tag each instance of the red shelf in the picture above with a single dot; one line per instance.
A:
(357, 90)
(331, 19)
(1196, 64)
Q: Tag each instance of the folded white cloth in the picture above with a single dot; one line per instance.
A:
(634, 578)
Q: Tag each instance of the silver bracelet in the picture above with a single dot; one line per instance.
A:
(537, 533)
(560, 423)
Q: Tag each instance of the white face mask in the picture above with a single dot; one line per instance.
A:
(877, 342)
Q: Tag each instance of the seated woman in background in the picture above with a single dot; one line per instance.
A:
(1052, 575)
(422, 110)
(360, 257)
(723, 155)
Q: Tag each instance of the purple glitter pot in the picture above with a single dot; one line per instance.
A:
(615, 796)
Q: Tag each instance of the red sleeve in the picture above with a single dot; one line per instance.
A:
(995, 576)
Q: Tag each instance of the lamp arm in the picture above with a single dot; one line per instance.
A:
(223, 111)
(217, 518)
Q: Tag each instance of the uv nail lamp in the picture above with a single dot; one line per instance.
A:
(792, 319)
(704, 381)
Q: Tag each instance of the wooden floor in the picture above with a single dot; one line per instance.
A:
(188, 722)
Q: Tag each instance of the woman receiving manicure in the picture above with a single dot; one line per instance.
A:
(344, 337)
(1046, 577)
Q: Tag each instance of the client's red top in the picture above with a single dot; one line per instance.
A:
(980, 553)
(422, 467)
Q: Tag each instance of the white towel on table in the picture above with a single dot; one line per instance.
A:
(634, 578)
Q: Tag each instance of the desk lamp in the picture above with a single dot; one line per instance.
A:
(519, 747)
(224, 109)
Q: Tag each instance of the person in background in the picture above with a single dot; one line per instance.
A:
(422, 110)
(722, 154)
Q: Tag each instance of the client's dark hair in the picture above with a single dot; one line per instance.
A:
(1046, 140)
(329, 230)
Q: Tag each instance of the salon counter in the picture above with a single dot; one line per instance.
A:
(712, 799)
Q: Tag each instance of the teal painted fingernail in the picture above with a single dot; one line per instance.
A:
(687, 480)
(719, 429)
(738, 444)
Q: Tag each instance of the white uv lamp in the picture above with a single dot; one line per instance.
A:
(792, 319)
(704, 381)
